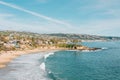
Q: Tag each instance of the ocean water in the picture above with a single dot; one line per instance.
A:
(67, 65)
(95, 65)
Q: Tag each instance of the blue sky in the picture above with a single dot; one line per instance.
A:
(96, 17)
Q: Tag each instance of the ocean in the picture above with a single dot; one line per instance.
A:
(67, 65)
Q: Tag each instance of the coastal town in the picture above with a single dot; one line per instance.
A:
(14, 44)
(23, 41)
(19, 41)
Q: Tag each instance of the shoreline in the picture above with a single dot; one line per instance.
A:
(8, 56)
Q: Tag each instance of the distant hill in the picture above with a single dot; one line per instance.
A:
(68, 36)
(84, 36)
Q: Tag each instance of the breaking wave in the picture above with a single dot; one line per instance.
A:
(27, 67)
(42, 66)
(47, 55)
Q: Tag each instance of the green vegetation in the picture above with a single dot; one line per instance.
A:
(69, 46)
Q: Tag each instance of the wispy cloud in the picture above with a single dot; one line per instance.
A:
(34, 13)
(9, 22)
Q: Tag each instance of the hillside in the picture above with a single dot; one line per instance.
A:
(85, 37)
(65, 36)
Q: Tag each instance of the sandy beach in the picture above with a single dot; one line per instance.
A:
(7, 56)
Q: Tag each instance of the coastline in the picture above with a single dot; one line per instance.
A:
(8, 56)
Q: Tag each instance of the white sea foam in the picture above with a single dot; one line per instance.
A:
(91, 50)
(42, 66)
(27, 67)
(104, 48)
(49, 72)
(47, 55)
(86, 51)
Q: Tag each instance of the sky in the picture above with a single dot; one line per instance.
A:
(95, 17)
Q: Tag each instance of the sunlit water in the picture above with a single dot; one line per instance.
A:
(67, 65)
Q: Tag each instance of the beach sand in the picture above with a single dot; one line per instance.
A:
(7, 56)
